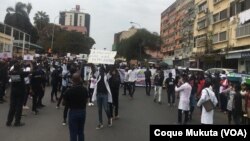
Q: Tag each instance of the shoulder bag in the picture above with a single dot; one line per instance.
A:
(208, 105)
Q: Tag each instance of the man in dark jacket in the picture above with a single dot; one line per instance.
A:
(170, 85)
(159, 78)
(37, 87)
(17, 95)
(148, 75)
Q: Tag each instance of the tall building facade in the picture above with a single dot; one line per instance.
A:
(75, 20)
(222, 34)
(177, 23)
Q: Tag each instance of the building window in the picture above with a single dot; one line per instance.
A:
(70, 20)
(203, 7)
(217, 1)
(201, 41)
(202, 24)
(243, 30)
(80, 21)
(243, 5)
(220, 37)
(220, 16)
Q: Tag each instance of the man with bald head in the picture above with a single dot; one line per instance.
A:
(76, 99)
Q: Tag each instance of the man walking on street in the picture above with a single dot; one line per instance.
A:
(170, 84)
(148, 81)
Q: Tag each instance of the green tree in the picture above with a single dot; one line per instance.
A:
(41, 20)
(18, 17)
(135, 46)
(73, 42)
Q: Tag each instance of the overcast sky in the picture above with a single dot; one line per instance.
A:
(107, 16)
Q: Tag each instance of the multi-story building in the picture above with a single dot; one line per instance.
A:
(177, 32)
(75, 20)
(122, 36)
(14, 42)
(222, 34)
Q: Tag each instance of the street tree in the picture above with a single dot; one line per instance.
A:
(18, 17)
(135, 46)
(72, 42)
(41, 20)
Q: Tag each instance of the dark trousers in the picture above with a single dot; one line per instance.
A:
(76, 124)
(91, 90)
(36, 93)
(148, 86)
(64, 88)
(180, 116)
(223, 99)
(16, 105)
(27, 92)
(65, 113)
(171, 97)
(40, 97)
(125, 88)
(115, 104)
(1, 92)
(131, 88)
(54, 91)
(237, 119)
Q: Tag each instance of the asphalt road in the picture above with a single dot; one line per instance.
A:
(135, 118)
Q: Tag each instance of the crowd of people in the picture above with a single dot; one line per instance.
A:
(194, 89)
(28, 79)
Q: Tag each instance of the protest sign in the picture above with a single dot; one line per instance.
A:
(102, 57)
(28, 57)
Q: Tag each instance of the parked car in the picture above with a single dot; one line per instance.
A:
(220, 70)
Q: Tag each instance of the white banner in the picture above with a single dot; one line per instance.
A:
(28, 57)
(102, 57)
(141, 76)
(5, 55)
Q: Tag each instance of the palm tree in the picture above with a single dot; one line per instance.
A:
(20, 8)
(18, 17)
(41, 19)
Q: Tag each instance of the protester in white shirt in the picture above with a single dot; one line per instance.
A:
(184, 91)
(132, 77)
(206, 94)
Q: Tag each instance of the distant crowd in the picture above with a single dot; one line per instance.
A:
(28, 79)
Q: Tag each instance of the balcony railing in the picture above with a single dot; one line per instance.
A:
(243, 30)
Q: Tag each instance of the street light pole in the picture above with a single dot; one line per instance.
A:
(53, 32)
(135, 23)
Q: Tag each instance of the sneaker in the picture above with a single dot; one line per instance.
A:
(92, 104)
(26, 108)
(100, 126)
(64, 123)
(110, 122)
(160, 102)
(89, 104)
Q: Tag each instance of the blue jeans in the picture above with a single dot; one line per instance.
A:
(102, 101)
(76, 124)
